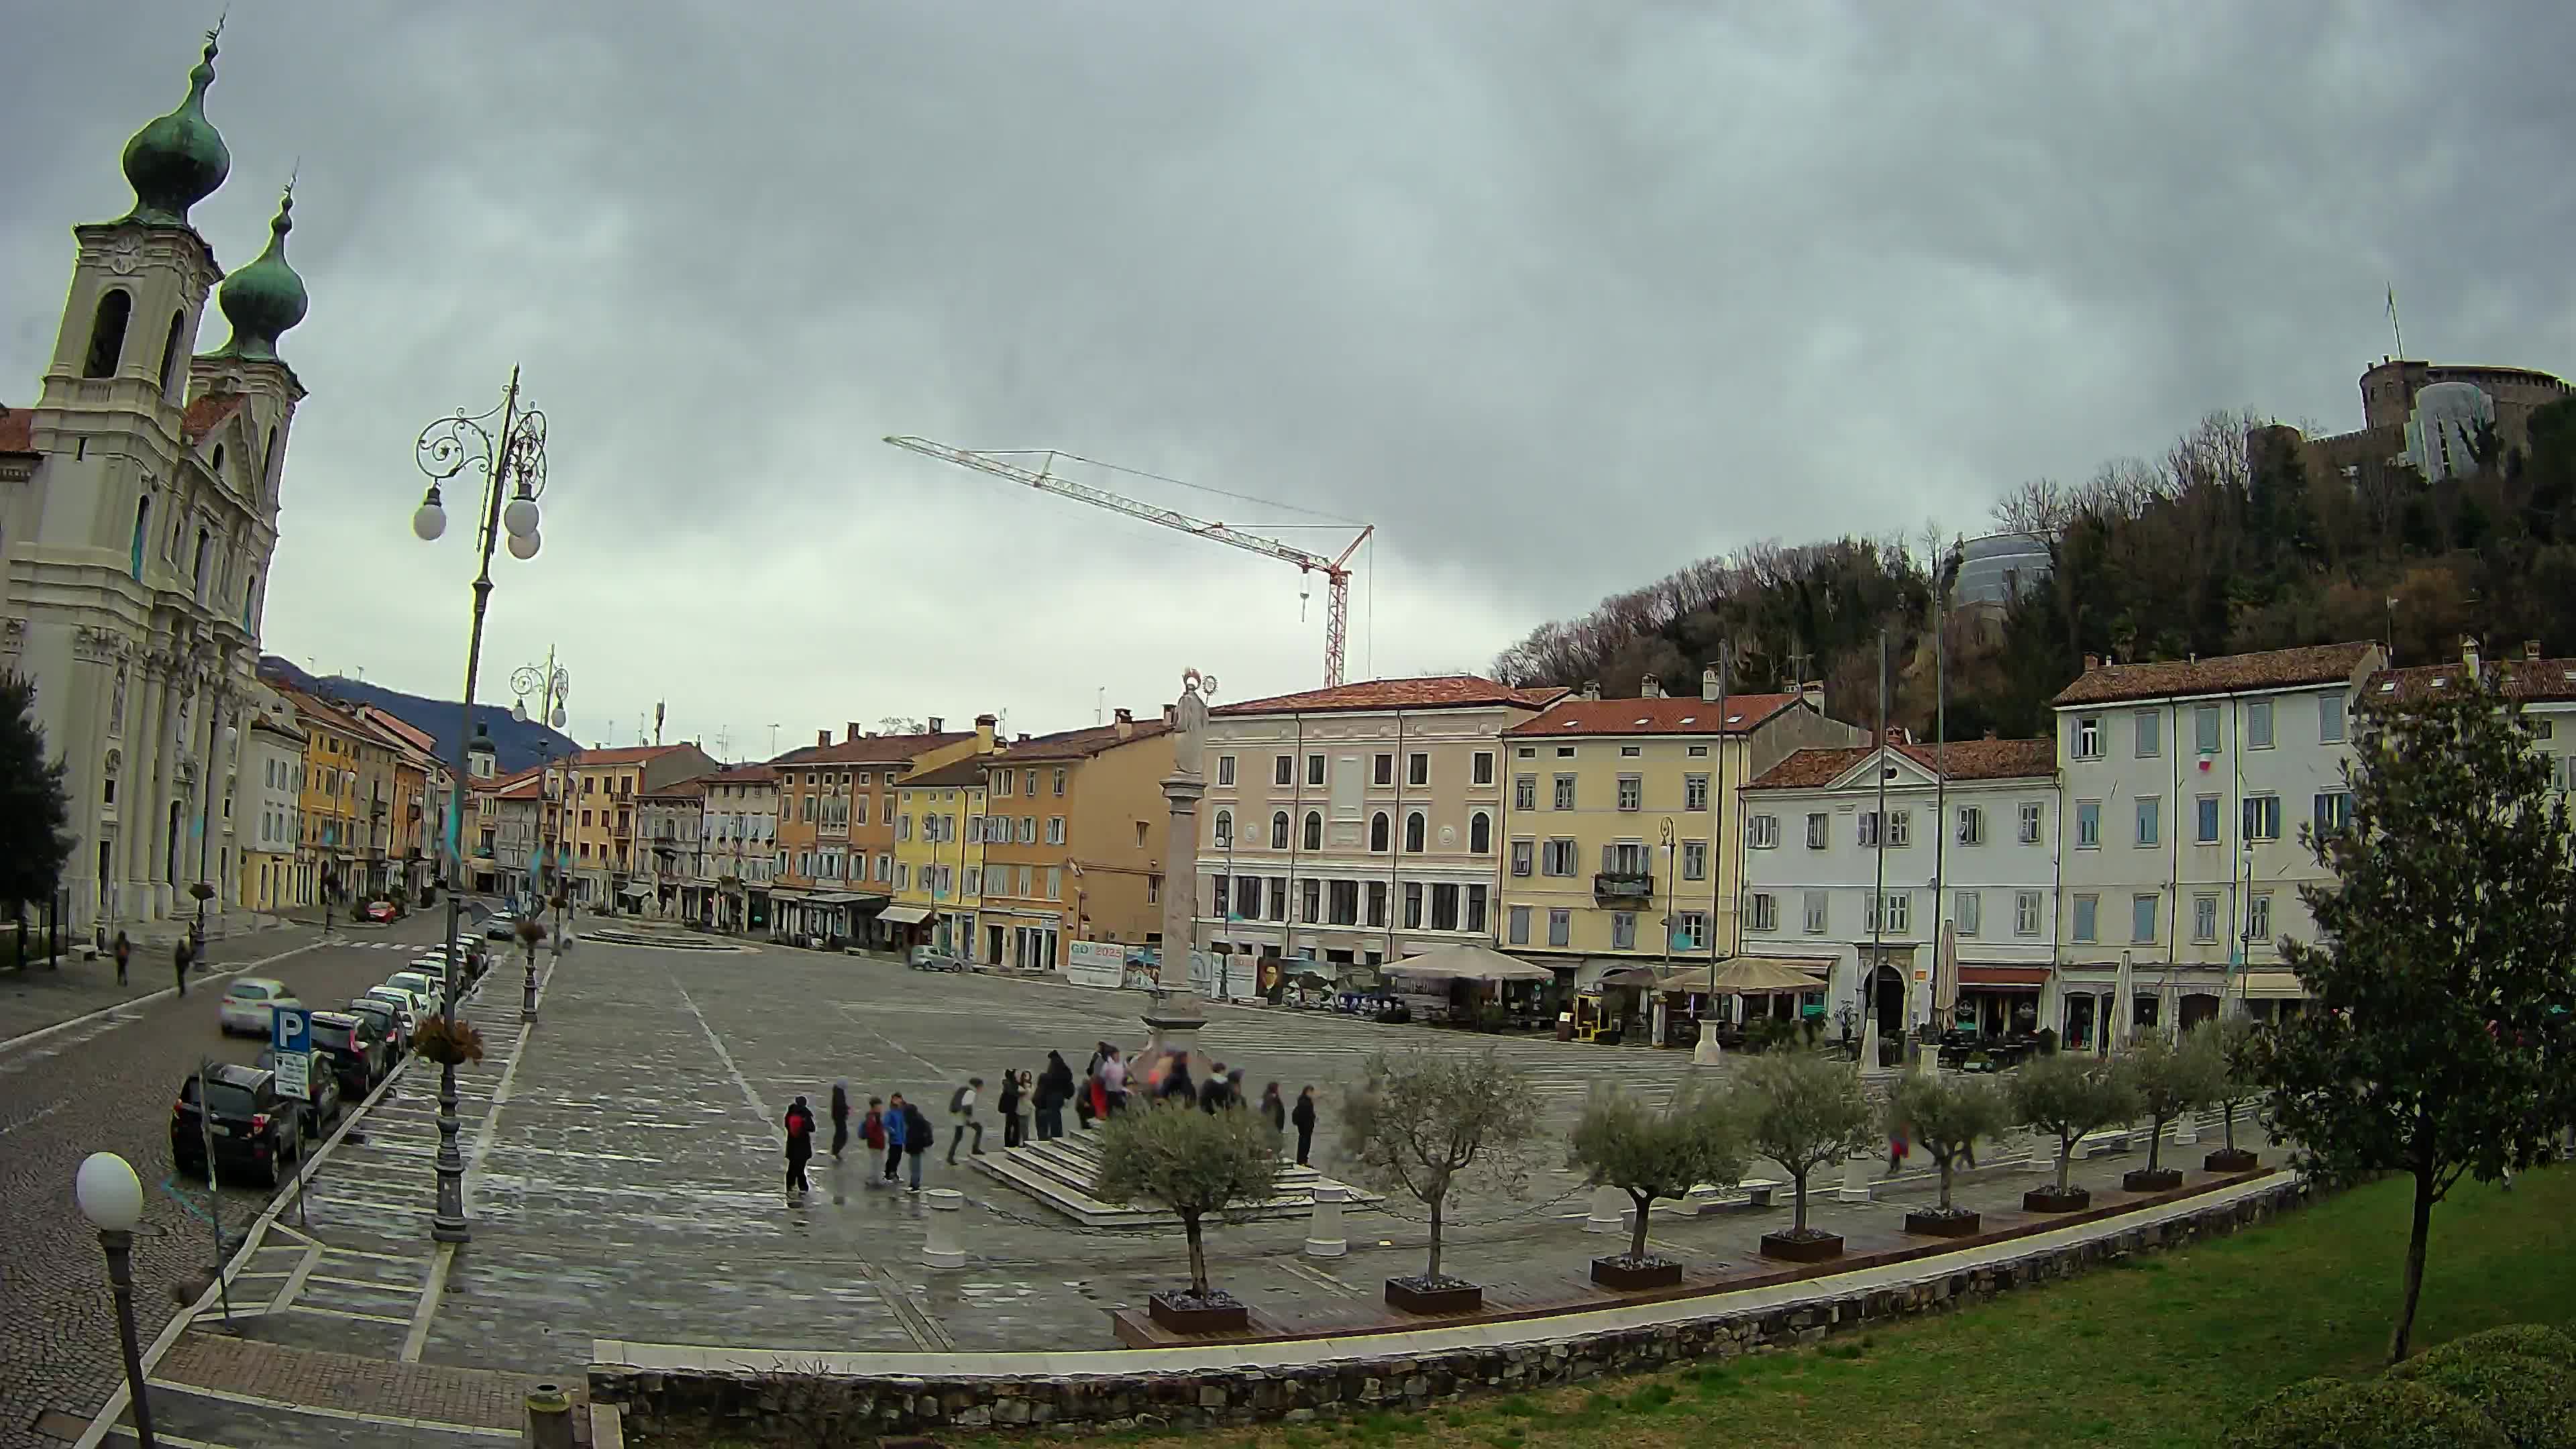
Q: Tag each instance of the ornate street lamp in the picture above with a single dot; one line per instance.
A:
(111, 1197)
(508, 446)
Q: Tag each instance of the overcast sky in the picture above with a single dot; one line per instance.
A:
(1558, 296)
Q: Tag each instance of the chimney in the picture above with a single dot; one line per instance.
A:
(1126, 724)
(938, 726)
(1708, 685)
(1650, 688)
(1591, 690)
(851, 730)
(822, 737)
(2092, 662)
(2531, 649)
(984, 731)
(2469, 654)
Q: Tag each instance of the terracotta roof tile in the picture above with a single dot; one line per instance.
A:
(956, 773)
(2221, 674)
(1083, 743)
(873, 749)
(623, 755)
(2520, 680)
(693, 788)
(1443, 691)
(208, 413)
(17, 430)
(1962, 760)
(1665, 716)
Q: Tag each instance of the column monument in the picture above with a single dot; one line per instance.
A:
(1173, 1020)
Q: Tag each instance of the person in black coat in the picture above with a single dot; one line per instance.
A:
(1010, 1105)
(800, 1144)
(840, 1117)
(1055, 1088)
(1303, 1114)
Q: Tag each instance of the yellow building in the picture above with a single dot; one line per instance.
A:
(331, 844)
(1622, 845)
(938, 857)
(599, 818)
(1073, 842)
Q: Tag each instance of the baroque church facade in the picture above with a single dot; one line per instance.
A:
(138, 515)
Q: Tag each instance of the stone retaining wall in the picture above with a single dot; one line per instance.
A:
(789, 1406)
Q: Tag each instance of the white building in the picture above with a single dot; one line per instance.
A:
(739, 857)
(1356, 825)
(1968, 839)
(137, 524)
(268, 806)
(2185, 784)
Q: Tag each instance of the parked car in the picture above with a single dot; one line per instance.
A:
(360, 1055)
(387, 1024)
(321, 1095)
(501, 926)
(404, 1004)
(249, 1002)
(428, 986)
(252, 1128)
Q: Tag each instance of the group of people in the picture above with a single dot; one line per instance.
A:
(902, 1131)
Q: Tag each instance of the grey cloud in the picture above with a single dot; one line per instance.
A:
(1558, 295)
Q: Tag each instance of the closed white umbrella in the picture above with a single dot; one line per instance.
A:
(1945, 976)
(2123, 1009)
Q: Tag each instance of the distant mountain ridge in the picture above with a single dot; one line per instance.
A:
(515, 745)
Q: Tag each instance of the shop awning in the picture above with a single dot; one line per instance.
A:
(2027, 977)
(1467, 962)
(845, 898)
(2273, 985)
(641, 889)
(905, 915)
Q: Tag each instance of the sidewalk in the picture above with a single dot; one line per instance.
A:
(39, 997)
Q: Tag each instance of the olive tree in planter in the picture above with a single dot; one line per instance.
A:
(2068, 1095)
(1651, 1153)
(1424, 1122)
(1946, 1116)
(2170, 1078)
(1195, 1163)
(2238, 1045)
(1803, 1112)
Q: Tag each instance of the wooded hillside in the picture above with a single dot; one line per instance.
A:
(2206, 550)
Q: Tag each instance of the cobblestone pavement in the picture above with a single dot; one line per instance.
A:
(107, 1084)
(627, 1182)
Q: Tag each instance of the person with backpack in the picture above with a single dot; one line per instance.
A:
(800, 1145)
(961, 1108)
(898, 1131)
(872, 1129)
(918, 1131)
(1055, 1086)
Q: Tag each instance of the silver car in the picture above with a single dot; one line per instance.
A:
(249, 1003)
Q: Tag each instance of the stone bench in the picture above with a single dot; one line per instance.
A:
(2110, 1142)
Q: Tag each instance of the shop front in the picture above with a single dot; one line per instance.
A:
(1997, 1002)
(900, 928)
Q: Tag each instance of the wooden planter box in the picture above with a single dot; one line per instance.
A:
(2228, 1159)
(1198, 1318)
(1407, 1296)
(2160, 1179)
(1933, 1223)
(1802, 1250)
(1621, 1276)
(2050, 1200)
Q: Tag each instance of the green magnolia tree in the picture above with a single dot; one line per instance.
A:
(1195, 1163)
(1803, 1112)
(1652, 1153)
(2437, 1040)
(2068, 1095)
(2172, 1078)
(35, 815)
(1947, 1116)
(1420, 1122)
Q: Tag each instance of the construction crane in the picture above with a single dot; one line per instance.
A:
(1336, 570)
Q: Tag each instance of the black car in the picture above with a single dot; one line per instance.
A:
(356, 1048)
(385, 1024)
(322, 1091)
(254, 1130)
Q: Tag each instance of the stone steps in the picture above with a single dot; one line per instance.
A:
(1060, 1174)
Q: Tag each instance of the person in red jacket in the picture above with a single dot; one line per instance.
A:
(800, 1145)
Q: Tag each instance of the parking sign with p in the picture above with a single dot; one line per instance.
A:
(290, 1029)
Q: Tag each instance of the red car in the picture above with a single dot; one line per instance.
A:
(380, 911)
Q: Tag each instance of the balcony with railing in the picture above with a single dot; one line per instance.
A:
(1623, 885)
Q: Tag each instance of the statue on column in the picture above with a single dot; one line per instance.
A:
(1189, 722)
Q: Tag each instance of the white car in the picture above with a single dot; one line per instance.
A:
(249, 1002)
(415, 1000)
(425, 982)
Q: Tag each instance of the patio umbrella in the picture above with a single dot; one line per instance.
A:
(2169, 1008)
(1632, 976)
(2124, 1009)
(1758, 975)
(1945, 974)
(1469, 962)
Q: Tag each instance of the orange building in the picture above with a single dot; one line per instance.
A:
(1073, 842)
(836, 810)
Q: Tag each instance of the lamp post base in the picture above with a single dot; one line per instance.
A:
(119, 1247)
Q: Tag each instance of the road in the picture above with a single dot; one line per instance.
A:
(107, 1083)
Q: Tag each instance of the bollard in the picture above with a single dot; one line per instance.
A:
(1324, 1230)
(549, 1417)
(941, 1249)
(1856, 1184)
(1609, 1211)
(2187, 1128)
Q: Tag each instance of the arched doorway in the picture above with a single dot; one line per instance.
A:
(1886, 994)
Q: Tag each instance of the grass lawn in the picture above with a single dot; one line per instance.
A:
(2166, 1351)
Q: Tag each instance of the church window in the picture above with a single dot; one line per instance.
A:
(218, 468)
(170, 354)
(107, 333)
